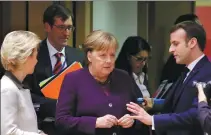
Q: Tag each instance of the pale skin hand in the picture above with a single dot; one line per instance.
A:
(126, 121)
(139, 113)
(106, 121)
(201, 95)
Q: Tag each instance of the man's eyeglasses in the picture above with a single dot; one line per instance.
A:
(140, 59)
(64, 28)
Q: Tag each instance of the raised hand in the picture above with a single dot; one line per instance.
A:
(201, 95)
(125, 121)
(139, 113)
(106, 121)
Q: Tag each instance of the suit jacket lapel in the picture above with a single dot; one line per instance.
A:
(45, 59)
(189, 78)
(169, 98)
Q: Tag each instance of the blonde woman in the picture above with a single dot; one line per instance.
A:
(18, 57)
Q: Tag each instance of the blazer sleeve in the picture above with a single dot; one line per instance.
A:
(183, 120)
(204, 113)
(9, 117)
(66, 109)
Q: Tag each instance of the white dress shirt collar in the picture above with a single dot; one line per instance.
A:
(140, 77)
(193, 64)
(52, 50)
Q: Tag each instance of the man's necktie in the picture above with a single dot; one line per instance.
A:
(181, 81)
(184, 74)
(58, 65)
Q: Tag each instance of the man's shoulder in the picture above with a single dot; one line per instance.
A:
(74, 54)
(71, 49)
(207, 65)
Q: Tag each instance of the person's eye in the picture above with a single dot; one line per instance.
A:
(62, 27)
(112, 55)
(103, 55)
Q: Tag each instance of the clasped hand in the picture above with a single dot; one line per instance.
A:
(109, 121)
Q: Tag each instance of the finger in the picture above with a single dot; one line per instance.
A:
(136, 105)
(123, 117)
(133, 111)
(112, 121)
(128, 124)
(112, 117)
(125, 120)
(200, 87)
(133, 107)
(122, 120)
(109, 124)
(134, 117)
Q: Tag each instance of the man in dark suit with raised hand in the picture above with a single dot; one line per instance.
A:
(54, 55)
(179, 115)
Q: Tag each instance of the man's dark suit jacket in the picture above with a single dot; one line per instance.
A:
(180, 112)
(43, 70)
(204, 112)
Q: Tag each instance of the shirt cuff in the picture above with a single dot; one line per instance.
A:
(153, 124)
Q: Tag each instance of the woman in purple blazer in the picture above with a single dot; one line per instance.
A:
(204, 110)
(93, 100)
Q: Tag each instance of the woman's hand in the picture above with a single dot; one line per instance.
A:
(106, 121)
(125, 121)
(201, 95)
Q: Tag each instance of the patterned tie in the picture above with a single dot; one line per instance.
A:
(58, 65)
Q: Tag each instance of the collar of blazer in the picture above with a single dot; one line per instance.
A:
(15, 80)
(190, 77)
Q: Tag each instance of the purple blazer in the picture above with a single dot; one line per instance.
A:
(82, 100)
(204, 112)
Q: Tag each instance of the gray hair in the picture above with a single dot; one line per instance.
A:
(17, 47)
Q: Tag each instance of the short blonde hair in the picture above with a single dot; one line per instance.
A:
(17, 47)
(99, 40)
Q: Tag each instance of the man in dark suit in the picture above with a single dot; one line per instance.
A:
(179, 115)
(204, 110)
(54, 55)
(168, 77)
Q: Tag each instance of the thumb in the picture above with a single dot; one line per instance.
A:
(133, 117)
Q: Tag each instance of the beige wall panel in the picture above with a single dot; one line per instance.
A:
(142, 19)
(36, 10)
(18, 15)
(160, 22)
(83, 20)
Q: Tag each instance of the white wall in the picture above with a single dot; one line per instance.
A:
(116, 17)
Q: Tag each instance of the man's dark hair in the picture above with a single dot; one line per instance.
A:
(171, 70)
(56, 10)
(193, 30)
(187, 17)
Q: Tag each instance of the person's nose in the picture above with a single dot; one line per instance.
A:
(171, 49)
(67, 32)
(108, 59)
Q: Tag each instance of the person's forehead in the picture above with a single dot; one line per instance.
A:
(178, 34)
(143, 53)
(58, 20)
